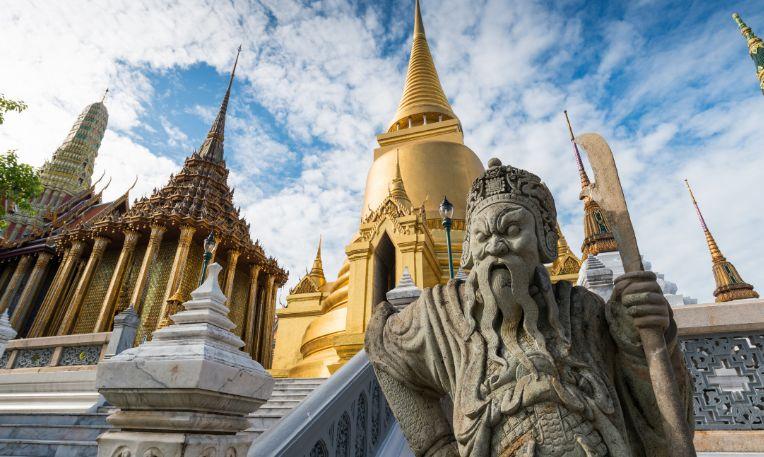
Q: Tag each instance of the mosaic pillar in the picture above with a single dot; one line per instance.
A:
(269, 311)
(260, 313)
(28, 294)
(117, 278)
(57, 288)
(233, 259)
(99, 246)
(15, 282)
(155, 239)
(250, 318)
(178, 267)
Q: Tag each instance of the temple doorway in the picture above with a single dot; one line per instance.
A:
(384, 269)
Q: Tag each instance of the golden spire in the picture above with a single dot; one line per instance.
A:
(755, 48)
(213, 144)
(581, 170)
(397, 190)
(729, 284)
(105, 93)
(423, 98)
(317, 272)
(597, 234)
(567, 264)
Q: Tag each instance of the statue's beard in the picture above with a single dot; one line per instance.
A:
(501, 285)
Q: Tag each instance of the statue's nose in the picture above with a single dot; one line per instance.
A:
(496, 247)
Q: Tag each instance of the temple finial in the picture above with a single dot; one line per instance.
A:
(581, 170)
(755, 48)
(397, 189)
(716, 253)
(729, 283)
(423, 99)
(317, 271)
(105, 93)
(213, 145)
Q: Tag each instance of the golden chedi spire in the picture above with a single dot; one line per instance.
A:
(729, 284)
(567, 264)
(755, 48)
(212, 147)
(317, 271)
(423, 97)
(597, 234)
(397, 190)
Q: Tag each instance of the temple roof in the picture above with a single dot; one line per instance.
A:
(422, 92)
(755, 48)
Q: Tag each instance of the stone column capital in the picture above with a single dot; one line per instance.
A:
(233, 254)
(186, 234)
(271, 280)
(254, 271)
(76, 248)
(43, 258)
(157, 230)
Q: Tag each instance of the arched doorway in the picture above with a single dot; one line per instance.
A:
(384, 269)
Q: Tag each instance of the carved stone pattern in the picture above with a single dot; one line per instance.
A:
(33, 358)
(91, 304)
(80, 355)
(717, 406)
(304, 286)
(319, 450)
(4, 359)
(343, 437)
(360, 425)
(375, 391)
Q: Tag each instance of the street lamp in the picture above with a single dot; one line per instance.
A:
(209, 247)
(447, 212)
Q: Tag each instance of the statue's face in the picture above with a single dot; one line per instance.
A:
(501, 230)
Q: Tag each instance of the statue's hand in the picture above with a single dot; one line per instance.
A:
(642, 300)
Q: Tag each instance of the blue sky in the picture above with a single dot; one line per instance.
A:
(668, 83)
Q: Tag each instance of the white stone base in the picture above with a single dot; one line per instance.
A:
(48, 389)
(149, 444)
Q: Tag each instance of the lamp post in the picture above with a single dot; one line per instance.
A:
(447, 212)
(209, 247)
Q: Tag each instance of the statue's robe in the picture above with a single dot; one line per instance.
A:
(430, 350)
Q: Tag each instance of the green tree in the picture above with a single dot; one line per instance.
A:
(7, 104)
(19, 185)
(19, 182)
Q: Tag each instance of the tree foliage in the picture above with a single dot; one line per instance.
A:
(7, 104)
(19, 184)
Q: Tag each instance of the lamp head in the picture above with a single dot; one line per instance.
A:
(446, 209)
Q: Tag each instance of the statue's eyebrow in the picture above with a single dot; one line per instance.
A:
(507, 216)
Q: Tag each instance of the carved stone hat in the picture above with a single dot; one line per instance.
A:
(507, 184)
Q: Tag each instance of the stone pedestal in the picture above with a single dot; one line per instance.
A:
(187, 392)
(122, 337)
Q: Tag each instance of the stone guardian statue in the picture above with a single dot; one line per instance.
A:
(505, 363)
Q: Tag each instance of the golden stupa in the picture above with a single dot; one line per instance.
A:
(420, 159)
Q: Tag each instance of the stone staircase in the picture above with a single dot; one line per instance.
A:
(74, 434)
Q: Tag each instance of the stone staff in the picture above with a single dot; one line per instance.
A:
(606, 190)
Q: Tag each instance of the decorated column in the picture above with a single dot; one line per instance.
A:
(31, 288)
(73, 309)
(233, 258)
(155, 239)
(71, 258)
(15, 282)
(269, 313)
(250, 320)
(178, 267)
(117, 278)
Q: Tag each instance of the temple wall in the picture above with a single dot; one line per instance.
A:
(193, 270)
(238, 302)
(91, 304)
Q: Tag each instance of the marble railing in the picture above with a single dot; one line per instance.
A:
(723, 345)
(55, 351)
(346, 416)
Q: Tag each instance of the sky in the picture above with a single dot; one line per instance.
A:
(669, 84)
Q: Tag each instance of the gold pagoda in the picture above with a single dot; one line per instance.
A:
(149, 257)
(420, 159)
(729, 284)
